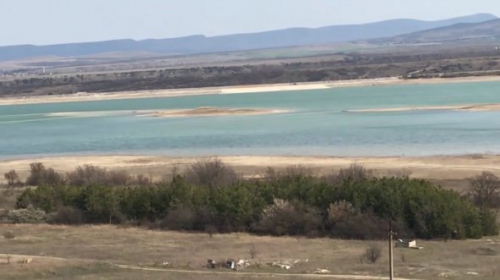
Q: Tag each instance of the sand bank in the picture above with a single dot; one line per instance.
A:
(235, 90)
(209, 111)
(433, 167)
(468, 107)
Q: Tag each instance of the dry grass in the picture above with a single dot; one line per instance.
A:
(138, 247)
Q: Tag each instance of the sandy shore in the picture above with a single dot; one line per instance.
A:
(434, 167)
(209, 111)
(235, 89)
(468, 107)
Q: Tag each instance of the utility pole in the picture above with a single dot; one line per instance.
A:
(391, 251)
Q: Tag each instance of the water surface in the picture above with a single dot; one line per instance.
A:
(318, 124)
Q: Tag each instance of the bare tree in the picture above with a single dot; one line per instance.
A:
(271, 174)
(298, 171)
(211, 173)
(37, 170)
(12, 178)
(40, 175)
(355, 172)
(484, 189)
(87, 175)
(253, 252)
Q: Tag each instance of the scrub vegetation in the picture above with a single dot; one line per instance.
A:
(211, 197)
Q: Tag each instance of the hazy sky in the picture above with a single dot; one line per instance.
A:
(60, 21)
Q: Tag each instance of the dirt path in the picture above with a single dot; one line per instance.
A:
(207, 272)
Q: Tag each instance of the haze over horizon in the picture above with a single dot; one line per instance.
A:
(55, 22)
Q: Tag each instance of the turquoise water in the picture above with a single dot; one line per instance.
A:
(317, 124)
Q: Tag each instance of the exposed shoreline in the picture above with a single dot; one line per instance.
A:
(428, 167)
(236, 89)
(467, 107)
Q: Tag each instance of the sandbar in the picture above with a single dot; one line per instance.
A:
(209, 111)
(467, 107)
(84, 96)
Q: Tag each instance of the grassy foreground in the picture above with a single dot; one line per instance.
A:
(89, 252)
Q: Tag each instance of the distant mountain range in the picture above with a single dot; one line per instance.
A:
(456, 32)
(240, 42)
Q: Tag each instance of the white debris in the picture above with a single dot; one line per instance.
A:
(282, 266)
(321, 271)
(26, 261)
(242, 264)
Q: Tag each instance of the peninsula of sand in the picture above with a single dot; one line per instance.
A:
(84, 96)
(209, 111)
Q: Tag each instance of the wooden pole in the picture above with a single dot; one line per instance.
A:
(391, 253)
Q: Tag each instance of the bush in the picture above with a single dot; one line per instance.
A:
(285, 218)
(346, 221)
(118, 178)
(29, 215)
(296, 203)
(9, 235)
(181, 218)
(142, 180)
(355, 172)
(339, 211)
(362, 226)
(87, 175)
(489, 225)
(211, 173)
(211, 230)
(294, 171)
(372, 253)
(66, 216)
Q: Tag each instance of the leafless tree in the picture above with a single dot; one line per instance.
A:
(211, 173)
(12, 178)
(355, 172)
(484, 189)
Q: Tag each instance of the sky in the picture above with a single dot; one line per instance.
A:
(43, 22)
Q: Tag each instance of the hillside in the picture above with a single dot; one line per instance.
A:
(271, 39)
(457, 32)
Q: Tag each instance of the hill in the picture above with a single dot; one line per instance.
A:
(457, 32)
(252, 41)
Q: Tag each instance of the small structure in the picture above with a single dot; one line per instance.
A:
(411, 244)
(211, 264)
(231, 264)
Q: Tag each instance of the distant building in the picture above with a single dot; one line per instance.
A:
(406, 244)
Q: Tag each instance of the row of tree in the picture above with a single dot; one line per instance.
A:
(210, 196)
